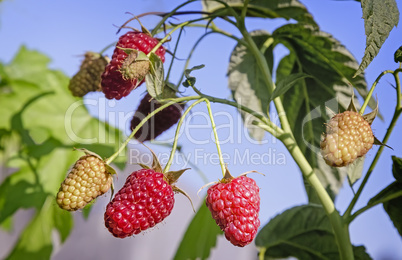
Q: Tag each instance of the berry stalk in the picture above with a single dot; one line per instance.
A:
(121, 148)
(263, 65)
(164, 39)
(176, 137)
(218, 146)
(168, 15)
(368, 97)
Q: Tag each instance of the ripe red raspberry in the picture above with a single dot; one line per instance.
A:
(88, 179)
(235, 205)
(348, 136)
(114, 85)
(145, 200)
(157, 124)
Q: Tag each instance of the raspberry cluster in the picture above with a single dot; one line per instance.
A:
(348, 136)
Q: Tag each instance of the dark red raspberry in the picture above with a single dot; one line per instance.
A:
(145, 200)
(235, 205)
(157, 124)
(113, 83)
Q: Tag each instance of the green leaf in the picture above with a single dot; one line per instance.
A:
(63, 222)
(380, 17)
(190, 80)
(398, 55)
(155, 79)
(286, 83)
(20, 190)
(200, 236)
(355, 170)
(392, 191)
(397, 168)
(247, 83)
(7, 225)
(303, 232)
(394, 211)
(35, 241)
(40, 124)
(360, 253)
(288, 9)
(331, 67)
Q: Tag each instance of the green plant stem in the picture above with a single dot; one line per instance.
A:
(263, 65)
(369, 206)
(174, 55)
(107, 47)
(397, 113)
(272, 128)
(368, 97)
(167, 16)
(244, 10)
(398, 88)
(340, 228)
(218, 146)
(261, 254)
(176, 137)
(164, 39)
(121, 148)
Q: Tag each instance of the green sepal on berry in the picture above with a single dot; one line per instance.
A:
(171, 177)
(89, 178)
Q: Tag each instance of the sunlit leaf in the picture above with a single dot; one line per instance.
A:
(155, 79)
(355, 170)
(40, 125)
(63, 222)
(35, 241)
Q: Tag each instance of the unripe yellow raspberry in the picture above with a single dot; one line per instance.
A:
(348, 136)
(88, 179)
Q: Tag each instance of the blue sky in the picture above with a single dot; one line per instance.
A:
(63, 30)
